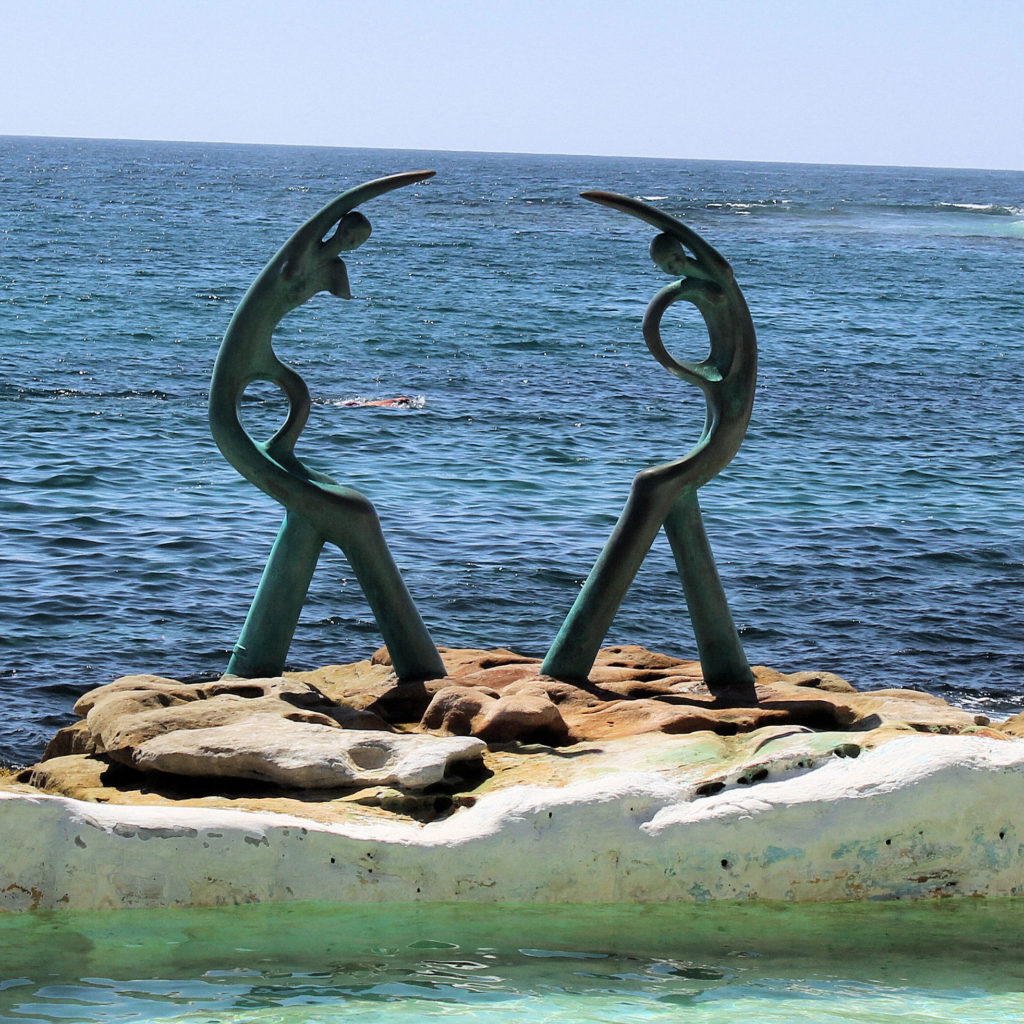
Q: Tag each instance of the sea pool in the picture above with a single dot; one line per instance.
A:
(954, 960)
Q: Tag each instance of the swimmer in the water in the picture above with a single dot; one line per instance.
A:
(400, 402)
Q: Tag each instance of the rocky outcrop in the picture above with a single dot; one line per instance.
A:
(500, 783)
(501, 696)
(355, 728)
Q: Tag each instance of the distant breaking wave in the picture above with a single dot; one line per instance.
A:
(762, 204)
(989, 209)
(994, 220)
(1000, 219)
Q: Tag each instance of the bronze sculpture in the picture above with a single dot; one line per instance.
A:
(317, 509)
(667, 494)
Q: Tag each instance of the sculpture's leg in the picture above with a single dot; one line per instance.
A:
(413, 653)
(267, 634)
(270, 624)
(718, 644)
(572, 654)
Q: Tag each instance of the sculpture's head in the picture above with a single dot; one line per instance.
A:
(310, 261)
(669, 249)
(328, 272)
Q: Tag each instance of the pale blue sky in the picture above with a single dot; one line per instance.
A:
(927, 82)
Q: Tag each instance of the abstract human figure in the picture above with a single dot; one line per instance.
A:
(317, 509)
(667, 494)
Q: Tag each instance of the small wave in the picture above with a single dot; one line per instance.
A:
(761, 204)
(988, 209)
(983, 220)
(398, 402)
(66, 481)
(63, 394)
(445, 243)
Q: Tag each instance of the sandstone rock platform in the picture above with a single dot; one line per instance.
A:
(498, 783)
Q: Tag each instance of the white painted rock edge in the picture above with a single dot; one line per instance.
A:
(921, 816)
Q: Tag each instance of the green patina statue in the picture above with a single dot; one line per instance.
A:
(317, 509)
(667, 494)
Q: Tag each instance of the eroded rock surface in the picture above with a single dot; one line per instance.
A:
(501, 696)
(282, 732)
(354, 734)
(307, 755)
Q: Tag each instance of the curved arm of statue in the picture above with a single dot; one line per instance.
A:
(318, 509)
(667, 494)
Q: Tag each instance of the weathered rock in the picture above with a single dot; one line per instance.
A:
(375, 689)
(630, 691)
(120, 718)
(526, 714)
(72, 739)
(455, 710)
(637, 659)
(634, 717)
(820, 681)
(823, 709)
(121, 728)
(701, 763)
(176, 692)
(279, 751)
(1013, 726)
(73, 775)
(496, 696)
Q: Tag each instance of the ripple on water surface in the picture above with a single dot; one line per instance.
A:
(836, 964)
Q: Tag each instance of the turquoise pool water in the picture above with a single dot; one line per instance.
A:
(950, 961)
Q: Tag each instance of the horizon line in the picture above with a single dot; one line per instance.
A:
(510, 152)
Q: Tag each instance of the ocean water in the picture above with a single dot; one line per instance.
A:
(871, 524)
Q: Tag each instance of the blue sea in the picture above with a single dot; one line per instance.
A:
(871, 524)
